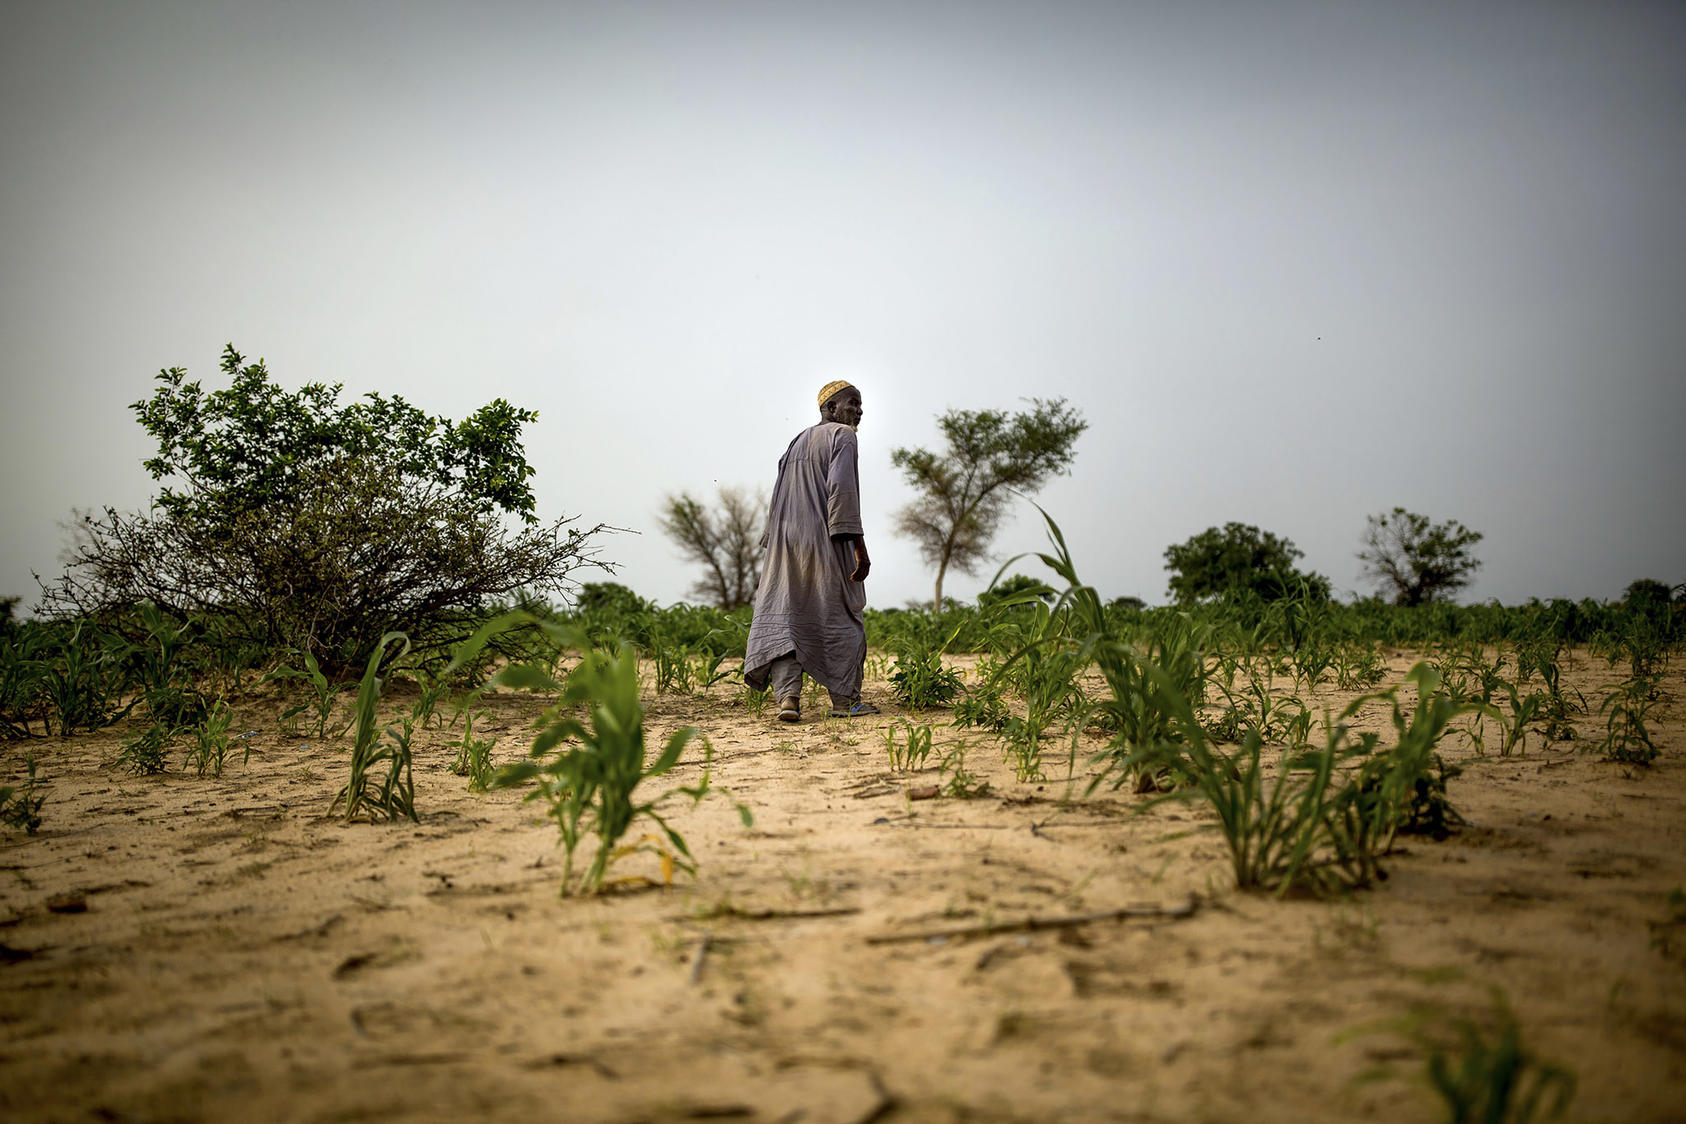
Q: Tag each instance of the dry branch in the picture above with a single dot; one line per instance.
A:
(1171, 912)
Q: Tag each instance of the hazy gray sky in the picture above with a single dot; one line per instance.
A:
(1296, 262)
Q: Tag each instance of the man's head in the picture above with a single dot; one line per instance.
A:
(841, 402)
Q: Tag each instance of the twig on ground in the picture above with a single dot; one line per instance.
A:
(951, 826)
(702, 954)
(726, 909)
(1171, 912)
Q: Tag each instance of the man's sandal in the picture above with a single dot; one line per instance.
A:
(790, 710)
(856, 709)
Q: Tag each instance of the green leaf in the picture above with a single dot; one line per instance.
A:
(525, 677)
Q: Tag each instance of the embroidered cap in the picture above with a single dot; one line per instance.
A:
(832, 389)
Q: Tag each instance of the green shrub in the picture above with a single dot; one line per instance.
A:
(290, 520)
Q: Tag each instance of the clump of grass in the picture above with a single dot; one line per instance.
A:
(1524, 709)
(434, 690)
(920, 680)
(1311, 664)
(756, 701)
(81, 681)
(210, 741)
(911, 753)
(21, 809)
(676, 673)
(1543, 655)
(588, 783)
(983, 707)
(146, 753)
(1257, 709)
(957, 780)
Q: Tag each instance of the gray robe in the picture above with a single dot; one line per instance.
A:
(806, 603)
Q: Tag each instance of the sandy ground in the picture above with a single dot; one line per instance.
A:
(224, 948)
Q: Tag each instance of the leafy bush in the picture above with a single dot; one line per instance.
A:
(291, 520)
(1239, 556)
(1014, 587)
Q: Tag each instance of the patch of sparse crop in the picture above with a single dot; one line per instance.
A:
(1042, 662)
(587, 771)
(22, 701)
(756, 701)
(1258, 709)
(675, 672)
(1358, 666)
(1641, 642)
(1329, 815)
(434, 690)
(81, 678)
(381, 785)
(1311, 664)
(1139, 677)
(157, 665)
(1524, 709)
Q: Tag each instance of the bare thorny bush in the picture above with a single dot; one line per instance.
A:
(326, 575)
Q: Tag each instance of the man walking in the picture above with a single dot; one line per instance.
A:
(808, 605)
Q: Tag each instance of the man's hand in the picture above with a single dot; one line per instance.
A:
(863, 564)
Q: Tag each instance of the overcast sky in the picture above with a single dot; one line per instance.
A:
(1296, 263)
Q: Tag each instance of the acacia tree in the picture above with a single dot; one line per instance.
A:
(292, 520)
(965, 491)
(1239, 557)
(1416, 559)
(725, 541)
